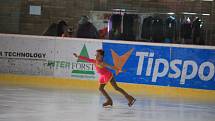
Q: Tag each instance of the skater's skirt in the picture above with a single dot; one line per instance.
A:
(105, 78)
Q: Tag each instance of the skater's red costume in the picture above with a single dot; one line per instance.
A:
(105, 74)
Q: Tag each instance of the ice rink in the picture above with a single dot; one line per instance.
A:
(33, 104)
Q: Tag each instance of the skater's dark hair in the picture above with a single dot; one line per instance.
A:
(102, 52)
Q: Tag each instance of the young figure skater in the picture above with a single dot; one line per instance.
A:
(105, 77)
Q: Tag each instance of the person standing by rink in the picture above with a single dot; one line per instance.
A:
(105, 77)
(86, 29)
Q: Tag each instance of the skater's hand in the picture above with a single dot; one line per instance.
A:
(75, 55)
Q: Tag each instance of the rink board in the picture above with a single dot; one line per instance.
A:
(174, 70)
(164, 65)
(47, 56)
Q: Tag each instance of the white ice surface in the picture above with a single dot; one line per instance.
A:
(26, 104)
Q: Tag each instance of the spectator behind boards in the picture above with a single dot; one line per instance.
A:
(86, 29)
(61, 27)
(56, 29)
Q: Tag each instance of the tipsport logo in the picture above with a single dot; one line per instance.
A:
(182, 69)
(119, 61)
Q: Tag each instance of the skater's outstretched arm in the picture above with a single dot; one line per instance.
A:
(84, 58)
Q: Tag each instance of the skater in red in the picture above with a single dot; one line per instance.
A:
(105, 77)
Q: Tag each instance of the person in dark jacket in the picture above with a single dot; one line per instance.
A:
(61, 28)
(56, 29)
(86, 29)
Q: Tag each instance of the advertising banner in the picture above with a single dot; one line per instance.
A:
(153, 64)
(162, 65)
(66, 65)
(47, 56)
(26, 55)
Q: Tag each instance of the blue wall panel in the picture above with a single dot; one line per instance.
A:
(165, 66)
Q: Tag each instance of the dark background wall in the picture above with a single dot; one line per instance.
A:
(52, 11)
(15, 18)
(10, 13)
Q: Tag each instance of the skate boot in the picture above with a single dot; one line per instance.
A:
(131, 101)
(108, 103)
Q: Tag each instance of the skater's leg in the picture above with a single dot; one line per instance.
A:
(130, 99)
(102, 90)
(117, 88)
